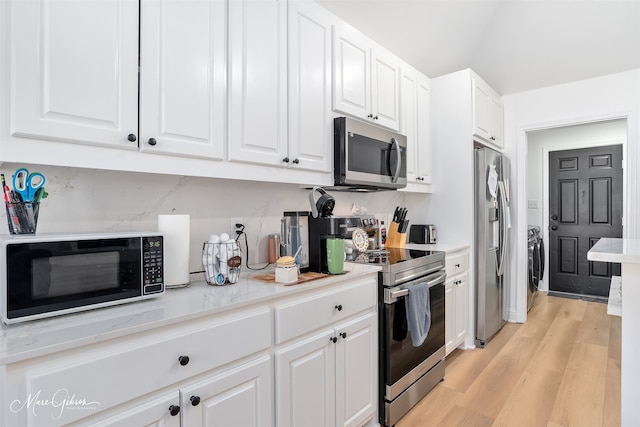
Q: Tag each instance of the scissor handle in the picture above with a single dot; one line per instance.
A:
(27, 184)
(20, 178)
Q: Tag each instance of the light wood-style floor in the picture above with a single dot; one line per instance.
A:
(560, 368)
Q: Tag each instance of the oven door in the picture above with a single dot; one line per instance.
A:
(61, 276)
(402, 363)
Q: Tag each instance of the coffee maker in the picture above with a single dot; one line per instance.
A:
(324, 225)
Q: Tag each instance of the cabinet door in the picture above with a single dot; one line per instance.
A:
(424, 169)
(305, 382)
(153, 412)
(385, 90)
(310, 118)
(257, 81)
(351, 73)
(449, 316)
(461, 289)
(356, 370)
(240, 397)
(183, 77)
(481, 109)
(74, 71)
(409, 120)
(497, 122)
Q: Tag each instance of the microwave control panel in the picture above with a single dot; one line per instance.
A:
(152, 265)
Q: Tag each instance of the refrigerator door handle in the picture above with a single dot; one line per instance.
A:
(503, 226)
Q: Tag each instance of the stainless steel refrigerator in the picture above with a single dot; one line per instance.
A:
(492, 226)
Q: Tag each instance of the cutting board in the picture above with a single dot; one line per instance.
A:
(302, 278)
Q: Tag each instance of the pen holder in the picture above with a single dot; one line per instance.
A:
(221, 262)
(22, 217)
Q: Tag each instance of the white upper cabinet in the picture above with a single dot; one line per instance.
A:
(258, 81)
(488, 113)
(414, 123)
(183, 77)
(74, 71)
(310, 115)
(366, 80)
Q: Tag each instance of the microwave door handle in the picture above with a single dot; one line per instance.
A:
(398, 162)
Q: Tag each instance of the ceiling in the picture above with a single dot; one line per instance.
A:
(515, 45)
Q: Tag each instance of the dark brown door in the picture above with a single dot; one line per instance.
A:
(585, 204)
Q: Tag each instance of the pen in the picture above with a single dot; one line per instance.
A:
(14, 221)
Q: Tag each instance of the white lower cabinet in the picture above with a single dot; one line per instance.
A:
(329, 378)
(301, 360)
(241, 397)
(106, 376)
(456, 299)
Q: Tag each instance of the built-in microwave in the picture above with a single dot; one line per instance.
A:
(368, 157)
(51, 274)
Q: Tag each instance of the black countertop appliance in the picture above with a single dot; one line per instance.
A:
(320, 229)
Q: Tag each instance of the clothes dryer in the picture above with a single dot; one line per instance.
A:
(536, 255)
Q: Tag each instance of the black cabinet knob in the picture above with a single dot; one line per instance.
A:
(184, 360)
(375, 117)
(493, 138)
(286, 160)
(333, 339)
(343, 334)
(370, 116)
(152, 141)
(132, 137)
(296, 161)
(174, 410)
(339, 307)
(195, 400)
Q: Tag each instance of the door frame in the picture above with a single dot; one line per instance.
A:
(630, 189)
(545, 192)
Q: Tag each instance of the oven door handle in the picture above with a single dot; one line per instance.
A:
(392, 295)
(439, 279)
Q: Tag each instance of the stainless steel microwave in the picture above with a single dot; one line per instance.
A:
(52, 274)
(368, 157)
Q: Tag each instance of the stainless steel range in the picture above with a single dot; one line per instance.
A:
(407, 373)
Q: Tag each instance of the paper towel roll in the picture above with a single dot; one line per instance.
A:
(175, 229)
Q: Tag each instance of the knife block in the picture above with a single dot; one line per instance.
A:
(395, 239)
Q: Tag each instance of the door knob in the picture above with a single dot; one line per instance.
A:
(554, 217)
(554, 227)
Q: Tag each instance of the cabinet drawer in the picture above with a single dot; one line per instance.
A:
(129, 368)
(313, 312)
(458, 262)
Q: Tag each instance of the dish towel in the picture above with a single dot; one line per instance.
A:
(418, 313)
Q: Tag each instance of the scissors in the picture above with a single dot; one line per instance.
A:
(27, 184)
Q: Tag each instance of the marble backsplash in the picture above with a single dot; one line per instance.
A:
(87, 200)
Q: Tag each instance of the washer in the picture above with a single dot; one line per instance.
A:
(535, 249)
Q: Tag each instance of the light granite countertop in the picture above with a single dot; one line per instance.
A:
(444, 247)
(615, 250)
(40, 337)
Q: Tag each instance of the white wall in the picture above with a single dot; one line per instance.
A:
(603, 98)
(83, 200)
